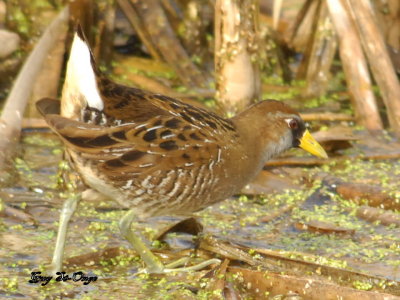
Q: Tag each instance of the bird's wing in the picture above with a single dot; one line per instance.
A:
(181, 139)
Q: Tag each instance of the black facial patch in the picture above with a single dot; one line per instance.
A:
(298, 133)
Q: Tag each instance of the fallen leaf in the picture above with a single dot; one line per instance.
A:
(323, 227)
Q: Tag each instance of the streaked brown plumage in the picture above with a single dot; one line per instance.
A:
(177, 160)
(161, 156)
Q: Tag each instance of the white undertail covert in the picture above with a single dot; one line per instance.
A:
(80, 88)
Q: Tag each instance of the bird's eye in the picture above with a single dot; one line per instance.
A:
(293, 124)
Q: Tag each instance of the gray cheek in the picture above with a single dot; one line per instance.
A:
(284, 143)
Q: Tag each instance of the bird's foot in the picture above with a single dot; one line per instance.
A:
(176, 266)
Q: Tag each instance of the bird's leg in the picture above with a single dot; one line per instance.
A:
(67, 211)
(153, 263)
(70, 182)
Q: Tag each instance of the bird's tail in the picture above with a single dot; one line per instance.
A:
(80, 87)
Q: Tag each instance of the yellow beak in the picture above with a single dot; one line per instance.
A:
(308, 143)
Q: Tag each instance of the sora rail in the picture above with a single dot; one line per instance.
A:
(157, 155)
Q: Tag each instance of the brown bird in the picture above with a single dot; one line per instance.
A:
(157, 155)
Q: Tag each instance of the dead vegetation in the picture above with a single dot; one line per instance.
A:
(335, 60)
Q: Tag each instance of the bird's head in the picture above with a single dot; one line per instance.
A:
(279, 128)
